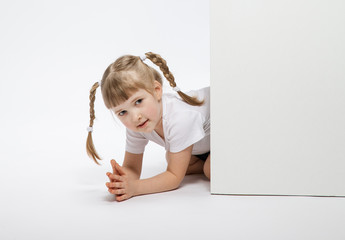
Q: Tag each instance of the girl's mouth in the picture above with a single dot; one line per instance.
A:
(143, 124)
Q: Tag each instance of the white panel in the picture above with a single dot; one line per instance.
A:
(278, 97)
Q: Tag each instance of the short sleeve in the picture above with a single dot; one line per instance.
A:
(185, 129)
(135, 142)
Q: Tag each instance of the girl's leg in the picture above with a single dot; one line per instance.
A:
(207, 169)
(196, 165)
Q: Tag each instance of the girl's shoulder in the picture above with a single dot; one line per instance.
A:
(185, 124)
(173, 105)
(172, 99)
(202, 93)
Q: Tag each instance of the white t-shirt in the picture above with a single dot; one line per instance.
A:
(183, 125)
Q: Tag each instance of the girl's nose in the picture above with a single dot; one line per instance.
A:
(137, 116)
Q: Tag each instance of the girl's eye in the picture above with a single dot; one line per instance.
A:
(122, 113)
(138, 101)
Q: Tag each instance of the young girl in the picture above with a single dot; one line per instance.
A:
(181, 124)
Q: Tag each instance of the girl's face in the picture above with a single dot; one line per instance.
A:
(142, 112)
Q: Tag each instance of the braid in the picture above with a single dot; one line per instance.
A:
(162, 64)
(90, 148)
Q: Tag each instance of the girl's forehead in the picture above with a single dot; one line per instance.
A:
(133, 97)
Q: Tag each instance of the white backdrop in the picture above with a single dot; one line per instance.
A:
(281, 66)
(51, 52)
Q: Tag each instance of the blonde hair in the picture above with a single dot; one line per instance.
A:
(124, 77)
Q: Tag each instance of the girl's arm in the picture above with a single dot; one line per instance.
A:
(133, 163)
(125, 188)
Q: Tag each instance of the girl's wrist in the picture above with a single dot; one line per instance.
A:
(131, 174)
(136, 187)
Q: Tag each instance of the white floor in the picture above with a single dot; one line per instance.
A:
(49, 189)
(63, 202)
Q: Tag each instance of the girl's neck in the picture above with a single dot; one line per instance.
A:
(159, 126)
(159, 129)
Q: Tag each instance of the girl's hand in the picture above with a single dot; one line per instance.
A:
(113, 163)
(111, 177)
(120, 184)
(115, 172)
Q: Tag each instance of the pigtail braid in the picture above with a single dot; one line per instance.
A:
(90, 148)
(162, 64)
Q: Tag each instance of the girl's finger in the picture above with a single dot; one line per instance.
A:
(119, 191)
(113, 164)
(119, 169)
(110, 190)
(121, 197)
(115, 177)
(115, 184)
(108, 175)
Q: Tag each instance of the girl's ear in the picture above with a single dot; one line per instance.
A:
(158, 90)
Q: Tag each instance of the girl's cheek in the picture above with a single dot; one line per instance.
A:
(128, 124)
(125, 122)
(152, 111)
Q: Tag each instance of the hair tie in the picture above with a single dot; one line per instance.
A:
(176, 89)
(99, 83)
(89, 129)
(143, 57)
